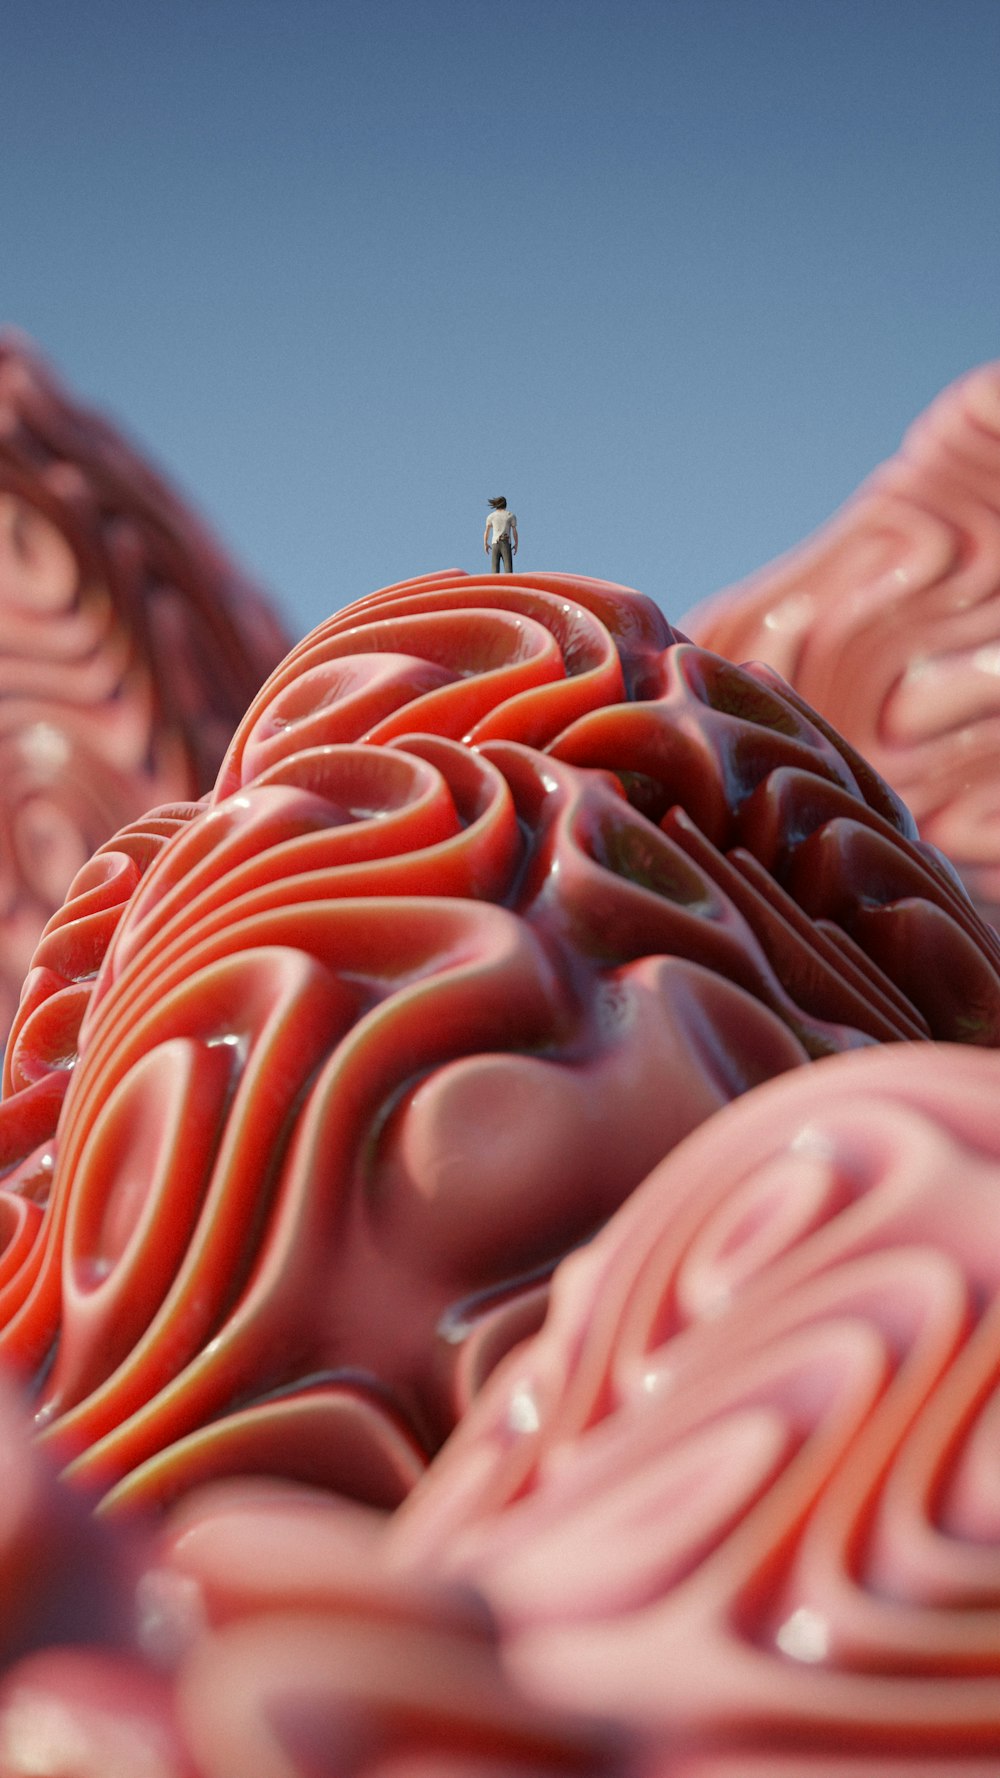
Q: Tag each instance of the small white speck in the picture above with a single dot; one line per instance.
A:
(40, 1735)
(45, 746)
(792, 614)
(655, 1379)
(902, 575)
(987, 660)
(40, 1738)
(169, 1615)
(814, 1143)
(805, 1636)
(522, 1411)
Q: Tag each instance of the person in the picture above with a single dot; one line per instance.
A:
(503, 526)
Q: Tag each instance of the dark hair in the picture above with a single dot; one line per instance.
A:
(498, 500)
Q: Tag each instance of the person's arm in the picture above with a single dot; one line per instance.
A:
(513, 535)
(486, 538)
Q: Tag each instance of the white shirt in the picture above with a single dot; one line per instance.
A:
(499, 523)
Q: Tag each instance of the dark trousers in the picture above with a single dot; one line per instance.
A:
(501, 553)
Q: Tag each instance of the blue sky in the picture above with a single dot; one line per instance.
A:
(672, 276)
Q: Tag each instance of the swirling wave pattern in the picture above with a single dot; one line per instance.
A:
(888, 621)
(129, 647)
(134, 1656)
(358, 1049)
(322, 1651)
(741, 1489)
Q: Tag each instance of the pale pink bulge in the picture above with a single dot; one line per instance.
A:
(743, 1483)
(128, 646)
(888, 621)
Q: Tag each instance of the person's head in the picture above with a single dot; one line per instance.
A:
(498, 500)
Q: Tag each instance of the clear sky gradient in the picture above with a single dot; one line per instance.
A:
(671, 276)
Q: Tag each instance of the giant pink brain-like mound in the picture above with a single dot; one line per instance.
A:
(129, 646)
(741, 1491)
(501, 891)
(888, 621)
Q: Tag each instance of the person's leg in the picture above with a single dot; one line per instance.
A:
(496, 555)
(505, 552)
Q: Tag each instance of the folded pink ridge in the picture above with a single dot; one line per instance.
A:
(165, 1654)
(740, 1491)
(888, 621)
(129, 646)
